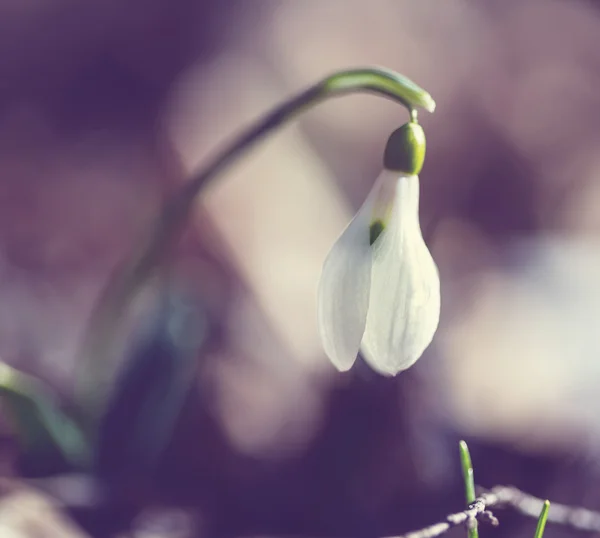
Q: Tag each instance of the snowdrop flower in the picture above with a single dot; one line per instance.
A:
(380, 290)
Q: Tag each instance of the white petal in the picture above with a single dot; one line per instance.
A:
(404, 307)
(343, 296)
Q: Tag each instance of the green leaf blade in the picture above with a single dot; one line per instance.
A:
(541, 524)
(469, 480)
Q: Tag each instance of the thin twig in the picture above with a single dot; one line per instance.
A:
(468, 517)
(570, 516)
(503, 496)
(573, 517)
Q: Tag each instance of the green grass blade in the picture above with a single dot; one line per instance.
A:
(469, 479)
(41, 427)
(541, 524)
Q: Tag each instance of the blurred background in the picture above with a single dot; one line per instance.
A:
(107, 107)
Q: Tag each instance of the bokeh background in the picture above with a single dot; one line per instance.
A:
(107, 107)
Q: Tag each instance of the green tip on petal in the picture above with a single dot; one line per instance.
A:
(375, 230)
(405, 149)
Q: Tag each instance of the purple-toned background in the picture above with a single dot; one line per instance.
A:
(106, 107)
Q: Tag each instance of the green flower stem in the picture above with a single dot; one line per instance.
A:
(541, 524)
(98, 352)
(469, 479)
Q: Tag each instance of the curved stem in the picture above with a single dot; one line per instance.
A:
(98, 346)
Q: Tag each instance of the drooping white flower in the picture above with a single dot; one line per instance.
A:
(380, 289)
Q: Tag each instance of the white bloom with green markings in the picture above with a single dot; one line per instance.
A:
(380, 289)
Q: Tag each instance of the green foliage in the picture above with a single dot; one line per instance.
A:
(150, 389)
(140, 411)
(43, 431)
(469, 479)
(541, 524)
